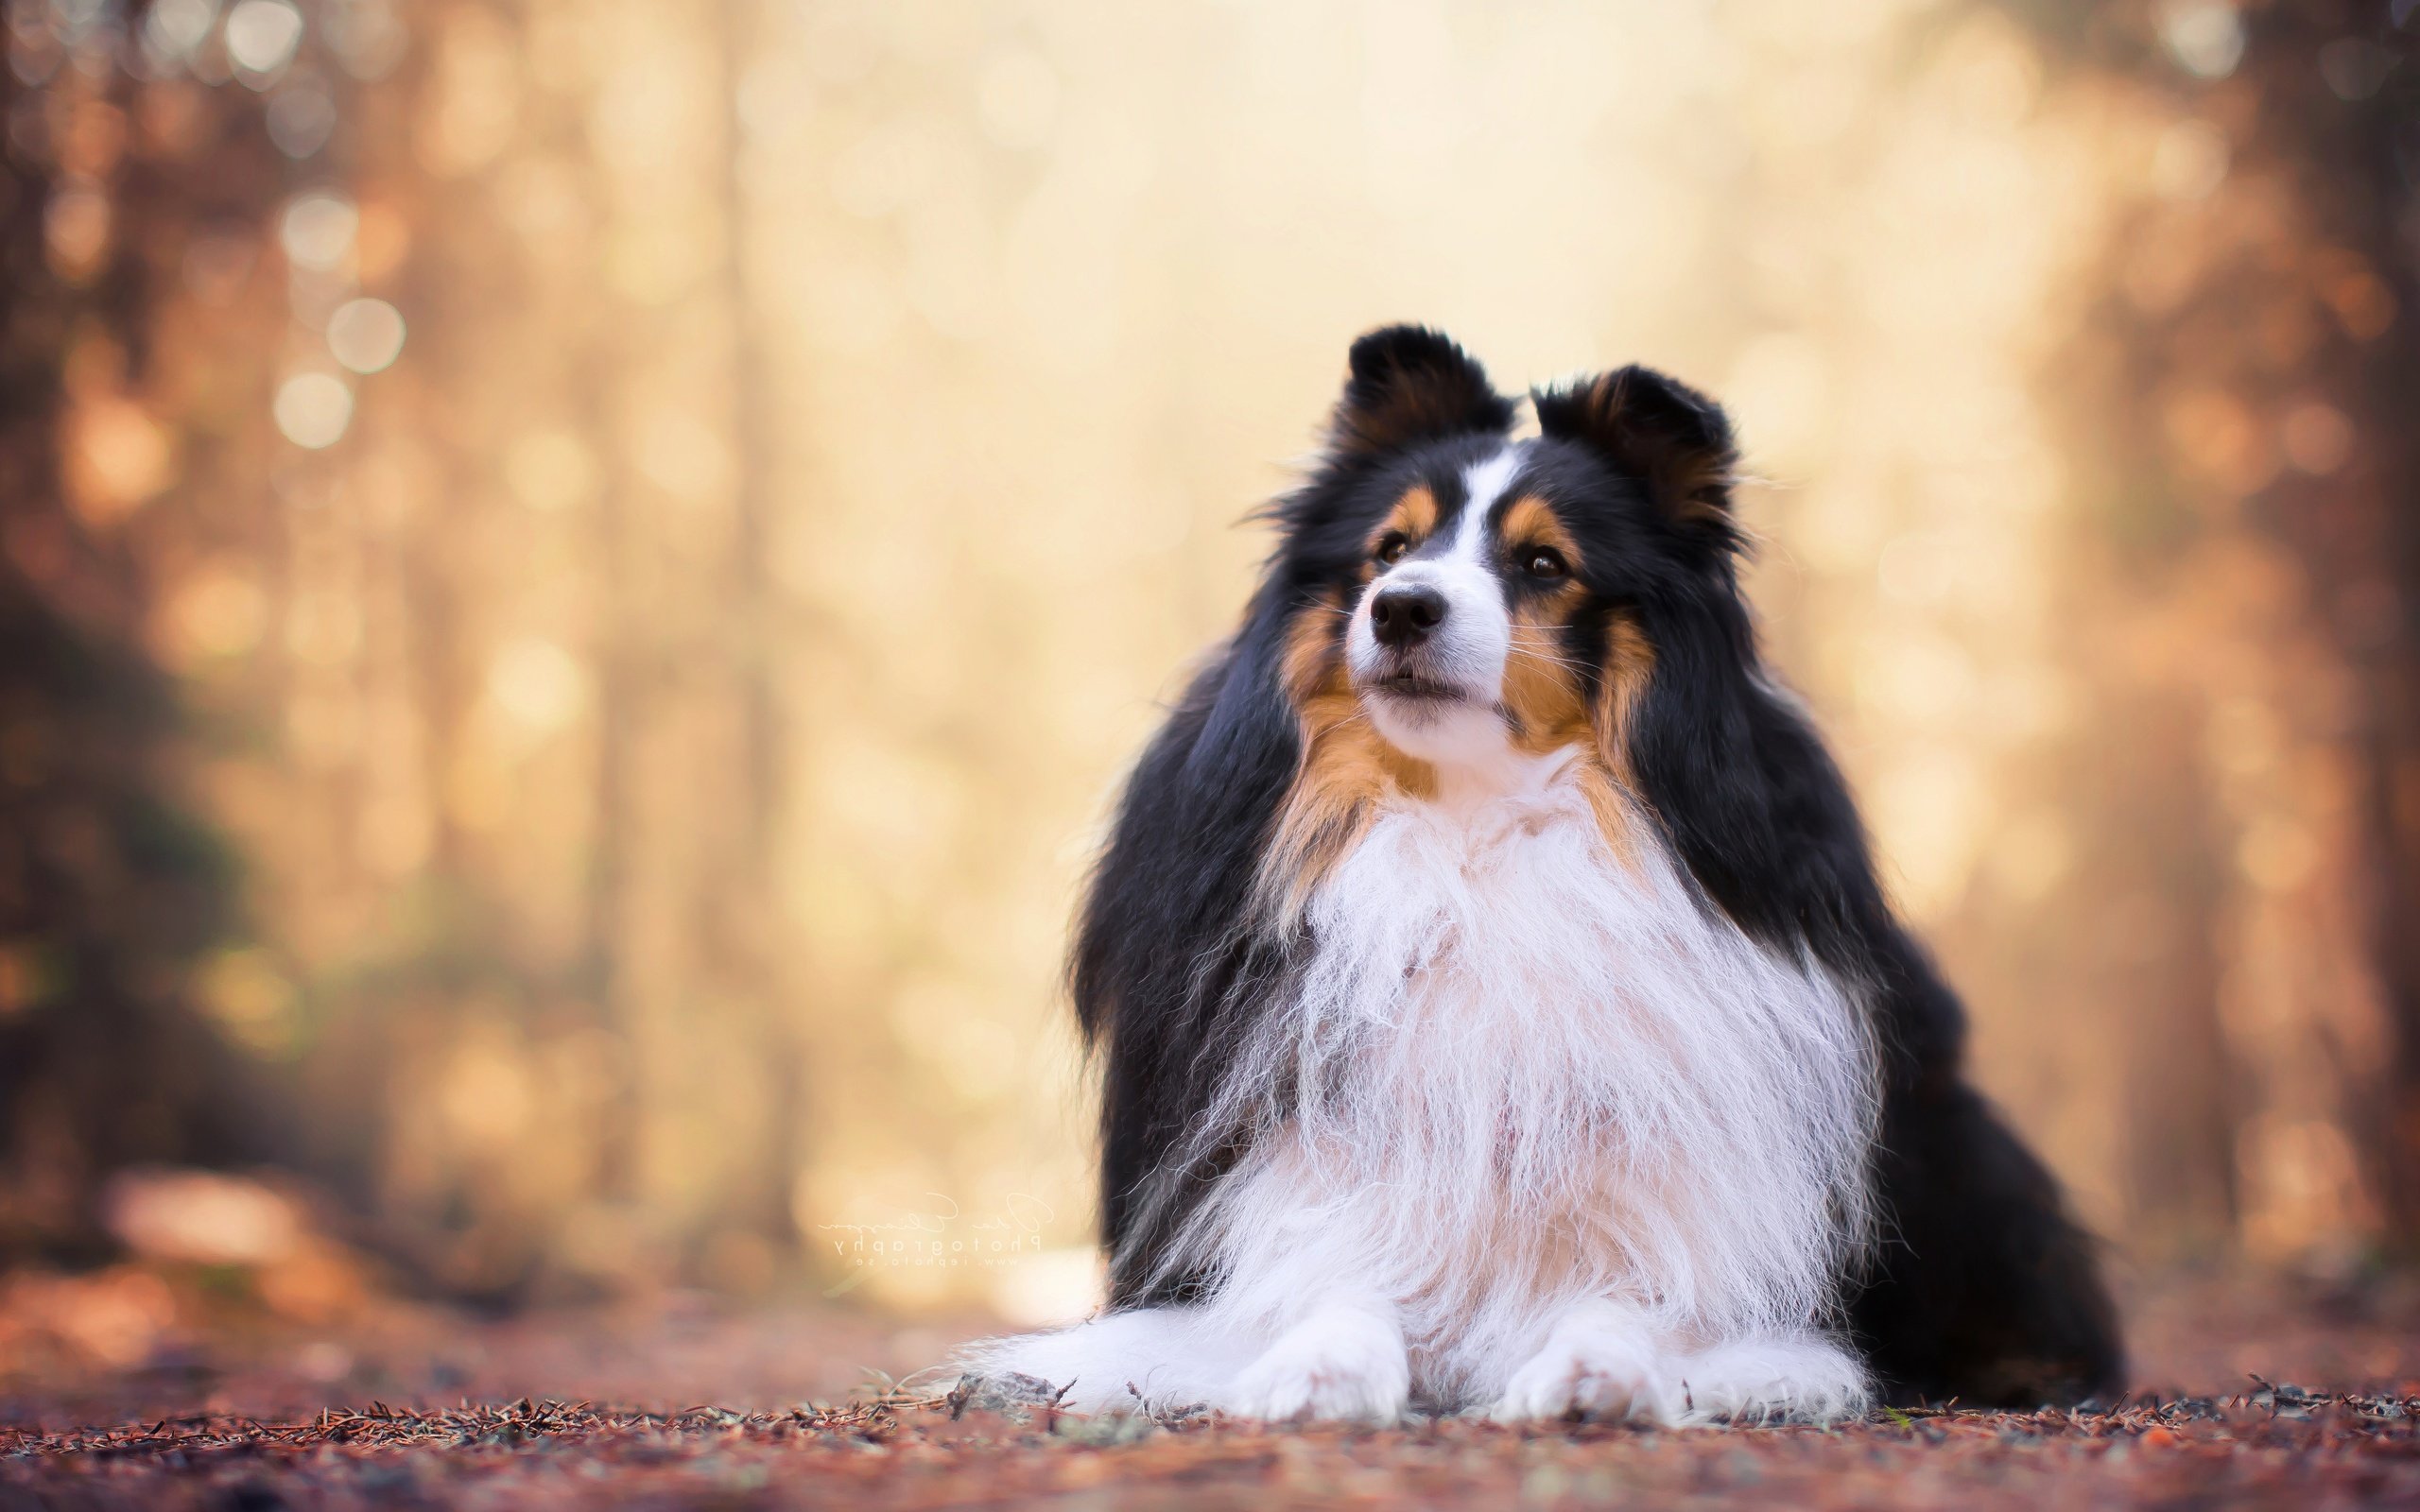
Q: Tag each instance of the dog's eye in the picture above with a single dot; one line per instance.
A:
(1390, 548)
(1543, 562)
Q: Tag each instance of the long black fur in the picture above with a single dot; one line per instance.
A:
(1981, 1287)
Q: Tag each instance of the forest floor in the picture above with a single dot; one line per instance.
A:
(2249, 1392)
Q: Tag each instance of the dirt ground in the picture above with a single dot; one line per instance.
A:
(2248, 1394)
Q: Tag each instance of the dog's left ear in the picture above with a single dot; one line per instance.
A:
(1660, 431)
(1411, 383)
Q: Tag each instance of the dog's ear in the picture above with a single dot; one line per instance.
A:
(1660, 431)
(1411, 383)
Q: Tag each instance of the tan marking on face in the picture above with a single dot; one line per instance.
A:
(1630, 663)
(1347, 768)
(1529, 521)
(1544, 701)
(1546, 698)
(1543, 696)
(1611, 782)
(1414, 515)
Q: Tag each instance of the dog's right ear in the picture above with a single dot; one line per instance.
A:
(1411, 383)
(1659, 430)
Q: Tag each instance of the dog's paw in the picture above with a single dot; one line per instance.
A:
(1599, 1363)
(1798, 1378)
(1340, 1364)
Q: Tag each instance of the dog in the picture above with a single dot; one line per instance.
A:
(1495, 1004)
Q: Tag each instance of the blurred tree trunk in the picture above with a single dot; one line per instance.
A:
(110, 893)
(2251, 380)
(2374, 142)
(746, 907)
(692, 941)
(591, 679)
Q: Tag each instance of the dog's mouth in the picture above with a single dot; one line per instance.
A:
(1405, 683)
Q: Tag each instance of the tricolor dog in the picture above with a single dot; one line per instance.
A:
(1495, 1006)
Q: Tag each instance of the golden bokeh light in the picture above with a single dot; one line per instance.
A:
(262, 36)
(313, 409)
(367, 336)
(687, 511)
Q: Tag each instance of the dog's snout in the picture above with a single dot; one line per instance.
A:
(1402, 617)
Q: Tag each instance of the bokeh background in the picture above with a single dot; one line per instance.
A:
(577, 575)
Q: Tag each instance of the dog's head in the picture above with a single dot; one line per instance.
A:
(1472, 598)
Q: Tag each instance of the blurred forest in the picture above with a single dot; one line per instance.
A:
(577, 575)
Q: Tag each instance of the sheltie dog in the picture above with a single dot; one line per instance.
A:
(1496, 1007)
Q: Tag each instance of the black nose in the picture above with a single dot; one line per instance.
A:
(1403, 617)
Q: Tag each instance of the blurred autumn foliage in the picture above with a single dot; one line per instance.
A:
(2241, 403)
(575, 575)
(111, 889)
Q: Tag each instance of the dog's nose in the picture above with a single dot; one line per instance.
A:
(1402, 617)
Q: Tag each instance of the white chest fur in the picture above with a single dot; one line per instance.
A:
(1520, 1072)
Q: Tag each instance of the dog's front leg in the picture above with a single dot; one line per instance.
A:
(1345, 1359)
